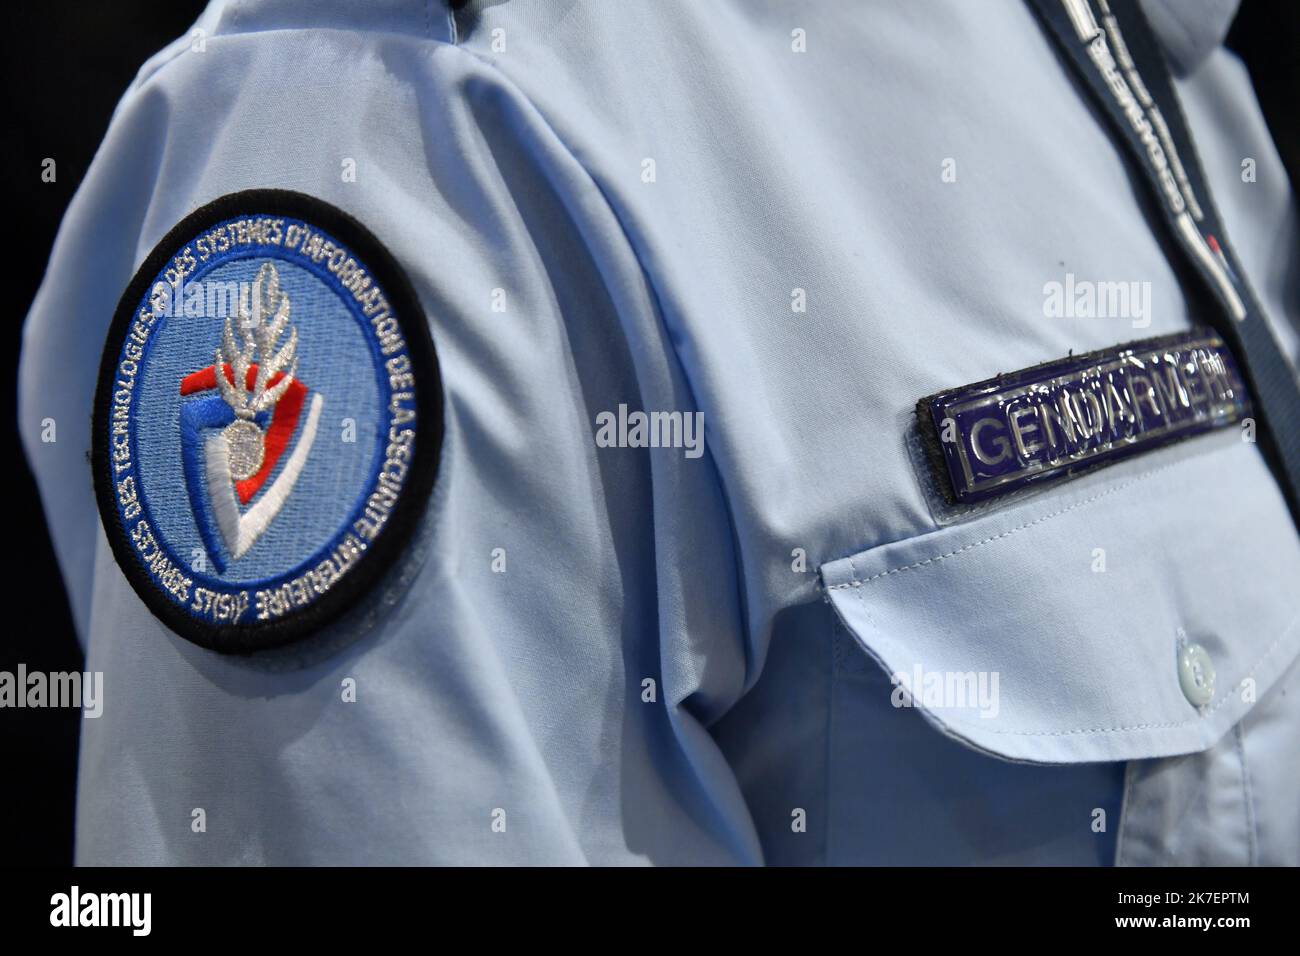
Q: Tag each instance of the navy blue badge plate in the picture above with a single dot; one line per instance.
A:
(1072, 414)
(268, 420)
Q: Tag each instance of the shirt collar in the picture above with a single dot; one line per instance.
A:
(1189, 30)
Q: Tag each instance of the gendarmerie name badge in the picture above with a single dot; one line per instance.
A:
(1072, 414)
(268, 420)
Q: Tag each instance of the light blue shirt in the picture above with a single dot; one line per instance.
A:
(796, 220)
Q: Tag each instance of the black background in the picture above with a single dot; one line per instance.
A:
(65, 65)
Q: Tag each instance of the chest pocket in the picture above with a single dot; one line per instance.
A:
(1138, 612)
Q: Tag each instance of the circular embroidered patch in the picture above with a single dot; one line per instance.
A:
(268, 420)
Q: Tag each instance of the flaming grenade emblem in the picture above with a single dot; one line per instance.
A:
(259, 351)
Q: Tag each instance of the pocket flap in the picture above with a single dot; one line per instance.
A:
(1075, 609)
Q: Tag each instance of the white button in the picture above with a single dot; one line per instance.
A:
(1196, 674)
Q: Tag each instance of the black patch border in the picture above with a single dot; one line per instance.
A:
(398, 531)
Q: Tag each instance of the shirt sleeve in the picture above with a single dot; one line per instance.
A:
(540, 687)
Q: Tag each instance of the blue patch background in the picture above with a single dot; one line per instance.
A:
(336, 359)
